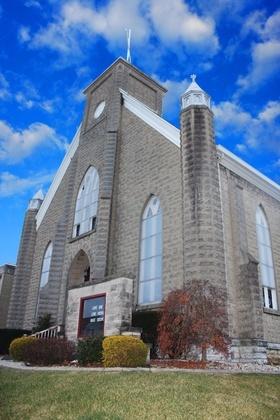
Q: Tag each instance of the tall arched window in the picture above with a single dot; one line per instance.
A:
(150, 273)
(86, 204)
(265, 261)
(46, 266)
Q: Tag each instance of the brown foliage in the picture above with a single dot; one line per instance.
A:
(193, 316)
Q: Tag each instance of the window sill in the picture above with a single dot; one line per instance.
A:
(271, 311)
(148, 306)
(83, 235)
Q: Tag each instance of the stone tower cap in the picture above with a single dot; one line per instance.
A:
(36, 201)
(194, 95)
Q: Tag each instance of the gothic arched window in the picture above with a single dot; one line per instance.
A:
(265, 261)
(86, 204)
(150, 272)
(46, 266)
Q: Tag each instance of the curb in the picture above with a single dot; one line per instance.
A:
(22, 366)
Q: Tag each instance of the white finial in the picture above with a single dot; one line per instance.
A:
(193, 77)
(128, 55)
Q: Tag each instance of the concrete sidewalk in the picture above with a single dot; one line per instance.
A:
(264, 369)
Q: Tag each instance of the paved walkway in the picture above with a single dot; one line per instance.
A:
(274, 370)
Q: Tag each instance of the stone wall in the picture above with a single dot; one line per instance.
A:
(118, 307)
(147, 164)
(7, 273)
(240, 202)
(22, 281)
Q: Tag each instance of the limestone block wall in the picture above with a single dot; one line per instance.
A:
(118, 306)
(240, 200)
(6, 283)
(147, 164)
(53, 228)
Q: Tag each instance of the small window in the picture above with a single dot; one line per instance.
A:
(92, 316)
(266, 265)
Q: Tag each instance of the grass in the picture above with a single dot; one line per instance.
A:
(115, 396)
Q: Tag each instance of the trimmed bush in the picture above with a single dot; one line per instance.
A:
(124, 351)
(51, 351)
(18, 346)
(7, 335)
(89, 350)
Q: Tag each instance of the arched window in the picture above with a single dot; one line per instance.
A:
(265, 261)
(46, 266)
(150, 273)
(86, 204)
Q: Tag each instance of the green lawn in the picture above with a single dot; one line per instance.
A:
(85, 396)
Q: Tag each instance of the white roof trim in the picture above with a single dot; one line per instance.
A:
(247, 172)
(150, 117)
(58, 178)
(227, 158)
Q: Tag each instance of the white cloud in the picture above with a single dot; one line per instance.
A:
(175, 89)
(16, 145)
(4, 87)
(219, 8)
(76, 19)
(24, 34)
(256, 132)
(270, 112)
(23, 101)
(11, 184)
(33, 3)
(265, 54)
(171, 22)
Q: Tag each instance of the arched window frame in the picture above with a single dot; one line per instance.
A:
(266, 265)
(86, 203)
(46, 264)
(150, 261)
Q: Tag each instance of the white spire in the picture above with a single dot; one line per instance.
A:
(194, 95)
(39, 195)
(36, 201)
(128, 55)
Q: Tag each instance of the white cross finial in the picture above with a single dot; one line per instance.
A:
(128, 55)
(193, 77)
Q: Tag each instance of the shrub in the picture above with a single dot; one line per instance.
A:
(51, 351)
(43, 323)
(194, 316)
(7, 335)
(18, 346)
(124, 351)
(89, 350)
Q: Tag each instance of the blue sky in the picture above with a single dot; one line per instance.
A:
(51, 50)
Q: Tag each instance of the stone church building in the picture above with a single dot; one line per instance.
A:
(139, 208)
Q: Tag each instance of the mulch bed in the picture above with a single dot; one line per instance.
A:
(182, 364)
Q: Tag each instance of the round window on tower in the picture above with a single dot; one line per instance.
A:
(99, 109)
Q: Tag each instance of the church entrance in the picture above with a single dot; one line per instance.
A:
(79, 273)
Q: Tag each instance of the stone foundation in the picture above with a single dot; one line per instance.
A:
(118, 307)
(249, 351)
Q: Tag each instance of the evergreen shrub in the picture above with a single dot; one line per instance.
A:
(124, 351)
(89, 350)
(19, 345)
